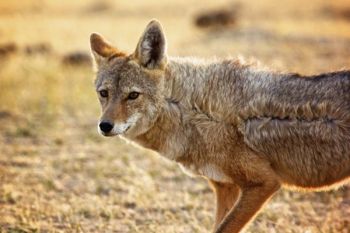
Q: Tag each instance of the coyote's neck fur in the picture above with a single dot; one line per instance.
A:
(204, 92)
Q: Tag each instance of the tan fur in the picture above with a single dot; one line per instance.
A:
(249, 131)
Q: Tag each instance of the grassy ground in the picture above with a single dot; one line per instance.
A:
(58, 175)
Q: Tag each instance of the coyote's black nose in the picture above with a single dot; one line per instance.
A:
(105, 126)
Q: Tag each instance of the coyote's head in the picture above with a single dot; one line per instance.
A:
(130, 87)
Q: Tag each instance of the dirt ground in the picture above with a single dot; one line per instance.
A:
(58, 175)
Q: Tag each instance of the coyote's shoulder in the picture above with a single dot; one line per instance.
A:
(248, 130)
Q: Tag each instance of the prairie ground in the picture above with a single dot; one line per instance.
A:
(58, 175)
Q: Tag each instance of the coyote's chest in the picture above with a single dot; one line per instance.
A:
(209, 171)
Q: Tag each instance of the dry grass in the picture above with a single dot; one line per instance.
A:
(58, 175)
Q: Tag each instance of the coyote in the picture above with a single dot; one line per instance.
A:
(249, 131)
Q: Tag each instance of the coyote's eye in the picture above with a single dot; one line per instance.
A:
(133, 95)
(103, 93)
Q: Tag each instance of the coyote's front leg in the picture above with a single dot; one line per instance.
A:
(251, 200)
(226, 197)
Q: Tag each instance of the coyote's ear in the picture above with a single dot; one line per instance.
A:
(101, 49)
(151, 48)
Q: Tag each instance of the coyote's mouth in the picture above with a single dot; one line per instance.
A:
(114, 132)
(126, 130)
(116, 129)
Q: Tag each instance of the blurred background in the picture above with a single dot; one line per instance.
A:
(58, 175)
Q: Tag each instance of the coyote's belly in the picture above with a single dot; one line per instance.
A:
(209, 171)
(309, 154)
